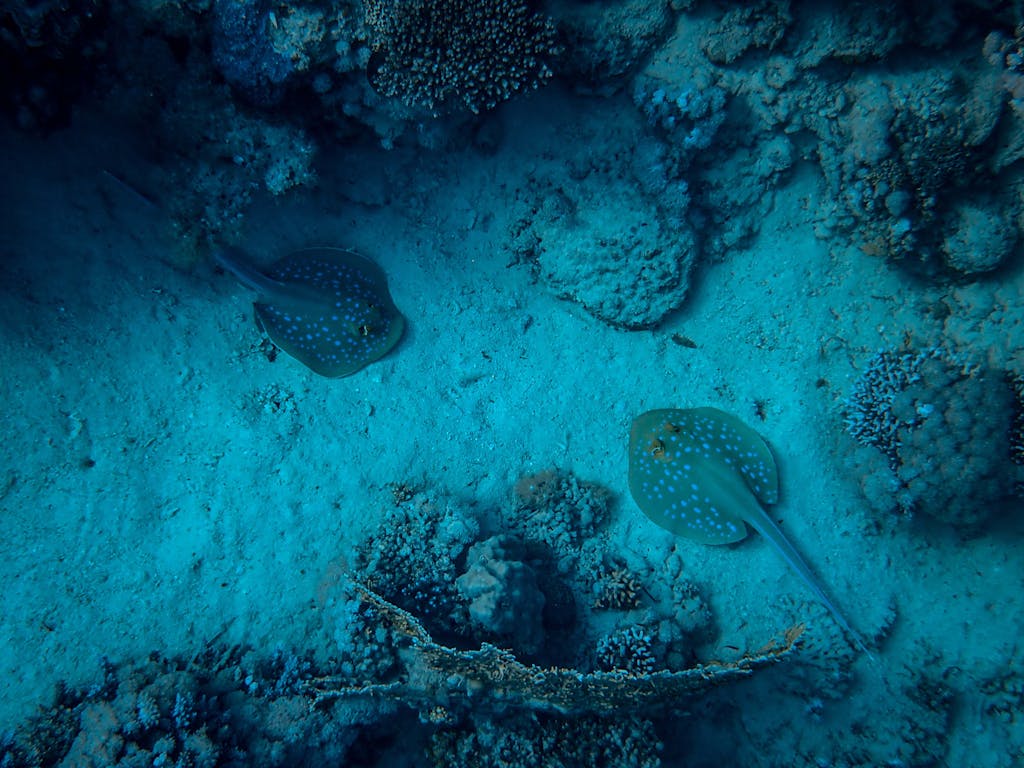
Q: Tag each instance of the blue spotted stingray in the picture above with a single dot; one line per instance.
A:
(704, 474)
(328, 308)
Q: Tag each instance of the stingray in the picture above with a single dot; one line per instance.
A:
(328, 308)
(704, 474)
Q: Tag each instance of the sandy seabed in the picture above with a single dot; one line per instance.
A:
(162, 482)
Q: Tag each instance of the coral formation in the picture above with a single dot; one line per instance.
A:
(756, 25)
(977, 238)
(618, 589)
(413, 557)
(244, 52)
(618, 241)
(707, 119)
(631, 650)
(502, 594)
(530, 741)
(605, 43)
(690, 116)
(445, 54)
(493, 680)
(945, 427)
(559, 509)
(617, 258)
(220, 706)
(911, 163)
(365, 644)
(240, 154)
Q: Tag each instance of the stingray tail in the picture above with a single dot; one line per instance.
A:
(764, 525)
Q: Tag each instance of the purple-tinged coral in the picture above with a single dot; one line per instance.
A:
(244, 53)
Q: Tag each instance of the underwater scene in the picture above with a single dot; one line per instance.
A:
(511, 383)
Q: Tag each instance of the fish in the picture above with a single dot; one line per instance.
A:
(703, 474)
(328, 308)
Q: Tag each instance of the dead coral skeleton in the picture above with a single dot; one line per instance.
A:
(434, 675)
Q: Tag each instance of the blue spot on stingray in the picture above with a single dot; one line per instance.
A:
(298, 301)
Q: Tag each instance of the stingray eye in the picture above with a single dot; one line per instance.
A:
(365, 330)
(657, 448)
(672, 428)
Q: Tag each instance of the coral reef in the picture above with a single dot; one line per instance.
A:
(534, 741)
(911, 164)
(923, 165)
(445, 54)
(559, 509)
(945, 427)
(502, 594)
(226, 703)
(715, 136)
(221, 706)
(414, 557)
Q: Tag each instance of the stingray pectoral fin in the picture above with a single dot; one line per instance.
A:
(761, 522)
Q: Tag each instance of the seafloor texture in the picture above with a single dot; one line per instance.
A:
(807, 215)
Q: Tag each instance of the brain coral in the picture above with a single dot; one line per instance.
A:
(442, 54)
(946, 428)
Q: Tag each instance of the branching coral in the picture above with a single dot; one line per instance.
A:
(412, 557)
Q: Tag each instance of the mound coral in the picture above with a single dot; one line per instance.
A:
(946, 429)
(502, 593)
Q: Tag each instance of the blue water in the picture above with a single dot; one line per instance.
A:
(806, 217)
